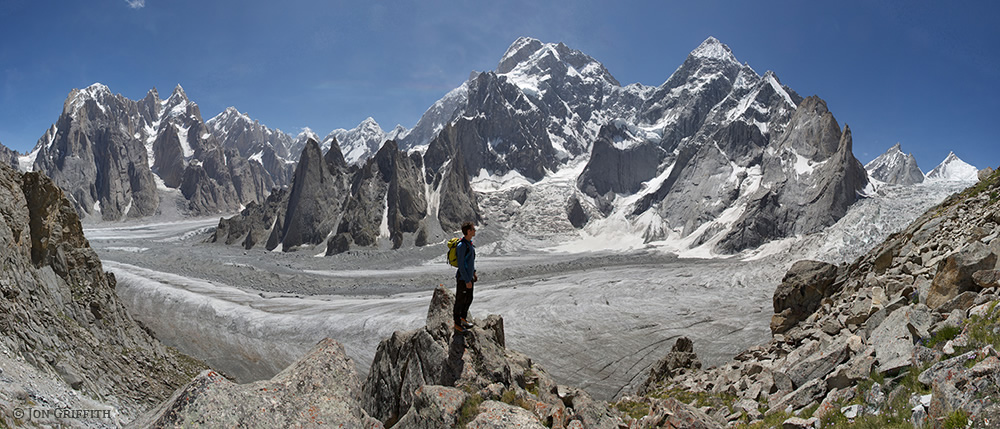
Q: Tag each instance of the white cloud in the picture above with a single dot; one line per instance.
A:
(136, 4)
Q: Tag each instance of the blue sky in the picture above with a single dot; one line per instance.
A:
(921, 73)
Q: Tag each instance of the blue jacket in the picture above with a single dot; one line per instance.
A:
(466, 252)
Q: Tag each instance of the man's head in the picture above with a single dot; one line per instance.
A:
(468, 229)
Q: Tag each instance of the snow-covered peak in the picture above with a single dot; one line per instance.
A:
(712, 48)
(397, 133)
(369, 124)
(178, 92)
(954, 169)
(535, 67)
(306, 134)
(360, 142)
(96, 89)
(229, 118)
(518, 51)
(97, 92)
(895, 167)
(177, 104)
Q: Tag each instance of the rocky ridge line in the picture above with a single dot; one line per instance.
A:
(59, 312)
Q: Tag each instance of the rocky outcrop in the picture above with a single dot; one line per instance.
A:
(823, 180)
(316, 199)
(801, 292)
(895, 168)
(680, 359)
(577, 216)
(254, 224)
(384, 200)
(9, 157)
(388, 189)
(58, 308)
(472, 366)
(321, 389)
(872, 319)
(458, 202)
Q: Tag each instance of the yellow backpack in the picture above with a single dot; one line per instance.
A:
(453, 251)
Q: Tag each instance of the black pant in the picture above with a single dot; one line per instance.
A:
(463, 299)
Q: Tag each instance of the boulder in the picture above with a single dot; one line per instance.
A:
(986, 278)
(574, 211)
(818, 365)
(498, 415)
(320, 389)
(894, 339)
(849, 374)
(800, 423)
(800, 293)
(813, 390)
(985, 173)
(954, 275)
(433, 407)
(961, 302)
(671, 413)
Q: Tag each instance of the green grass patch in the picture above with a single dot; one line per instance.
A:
(531, 381)
(633, 409)
(698, 399)
(469, 410)
(943, 335)
(984, 330)
(956, 420)
(510, 397)
(773, 420)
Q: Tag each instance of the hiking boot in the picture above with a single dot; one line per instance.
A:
(466, 324)
(459, 328)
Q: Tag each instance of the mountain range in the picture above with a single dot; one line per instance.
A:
(718, 157)
(897, 168)
(717, 153)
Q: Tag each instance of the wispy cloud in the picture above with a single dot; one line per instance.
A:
(136, 4)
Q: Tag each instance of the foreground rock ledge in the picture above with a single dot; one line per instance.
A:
(319, 390)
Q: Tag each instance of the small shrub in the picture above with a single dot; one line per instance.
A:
(774, 420)
(530, 382)
(633, 409)
(983, 330)
(469, 410)
(956, 420)
(508, 397)
(699, 399)
(943, 335)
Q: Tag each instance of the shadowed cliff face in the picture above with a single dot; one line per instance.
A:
(332, 203)
(58, 308)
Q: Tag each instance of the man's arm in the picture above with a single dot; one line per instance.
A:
(463, 263)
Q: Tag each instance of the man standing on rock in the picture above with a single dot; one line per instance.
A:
(465, 276)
